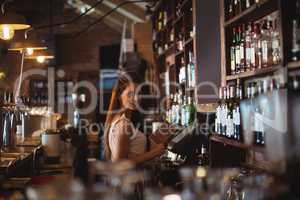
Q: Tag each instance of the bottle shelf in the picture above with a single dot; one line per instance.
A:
(254, 12)
(250, 74)
(294, 65)
(217, 138)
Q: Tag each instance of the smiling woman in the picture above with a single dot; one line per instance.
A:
(122, 140)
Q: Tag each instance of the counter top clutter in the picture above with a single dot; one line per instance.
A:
(119, 181)
(15, 161)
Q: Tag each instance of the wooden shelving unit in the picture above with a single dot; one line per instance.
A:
(251, 74)
(283, 10)
(256, 11)
(180, 21)
(293, 65)
(38, 91)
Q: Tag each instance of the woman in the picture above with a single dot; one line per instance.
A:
(122, 141)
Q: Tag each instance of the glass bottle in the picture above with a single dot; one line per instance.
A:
(237, 52)
(248, 47)
(184, 112)
(230, 9)
(242, 48)
(232, 53)
(266, 44)
(257, 46)
(237, 7)
(191, 71)
(275, 43)
(182, 71)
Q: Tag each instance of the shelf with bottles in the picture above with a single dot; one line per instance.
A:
(163, 16)
(181, 111)
(38, 98)
(254, 46)
(251, 74)
(241, 11)
(238, 101)
(294, 65)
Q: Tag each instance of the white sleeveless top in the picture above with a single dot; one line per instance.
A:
(137, 140)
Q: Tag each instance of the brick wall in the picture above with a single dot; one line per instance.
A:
(74, 56)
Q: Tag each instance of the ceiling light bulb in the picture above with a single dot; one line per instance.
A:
(29, 51)
(6, 32)
(40, 59)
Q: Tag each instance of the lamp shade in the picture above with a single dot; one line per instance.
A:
(15, 21)
(40, 53)
(27, 44)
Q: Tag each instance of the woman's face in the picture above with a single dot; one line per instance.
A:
(129, 98)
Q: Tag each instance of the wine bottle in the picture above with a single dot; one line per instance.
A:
(232, 53)
(242, 48)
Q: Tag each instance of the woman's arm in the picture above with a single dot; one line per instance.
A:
(124, 131)
(158, 150)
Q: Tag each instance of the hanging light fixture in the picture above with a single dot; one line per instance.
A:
(29, 45)
(40, 56)
(10, 22)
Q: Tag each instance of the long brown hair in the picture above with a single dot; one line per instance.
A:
(115, 107)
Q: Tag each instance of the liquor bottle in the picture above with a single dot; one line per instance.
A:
(296, 33)
(237, 7)
(159, 21)
(266, 44)
(237, 122)
(218, 114)
(172, 36)
(183, 112)
(179, 43)
(239, 91)
(248, 47)
(247, 4)
(224, 113)
(191, 71)
(203, 159)
(232, 53)
(257, 46)
(182, 71)
(230, 9)
(242, 48)
(253, 90)
(253, 48)
(175, 118)
(237, 52)
(276, 55)
(257, 127)
(191, 111)
(179, 108)
(229, 121)
(165, 20)
(169, 109)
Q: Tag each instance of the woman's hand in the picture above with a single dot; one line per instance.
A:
(159, 149)
(162, 135)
